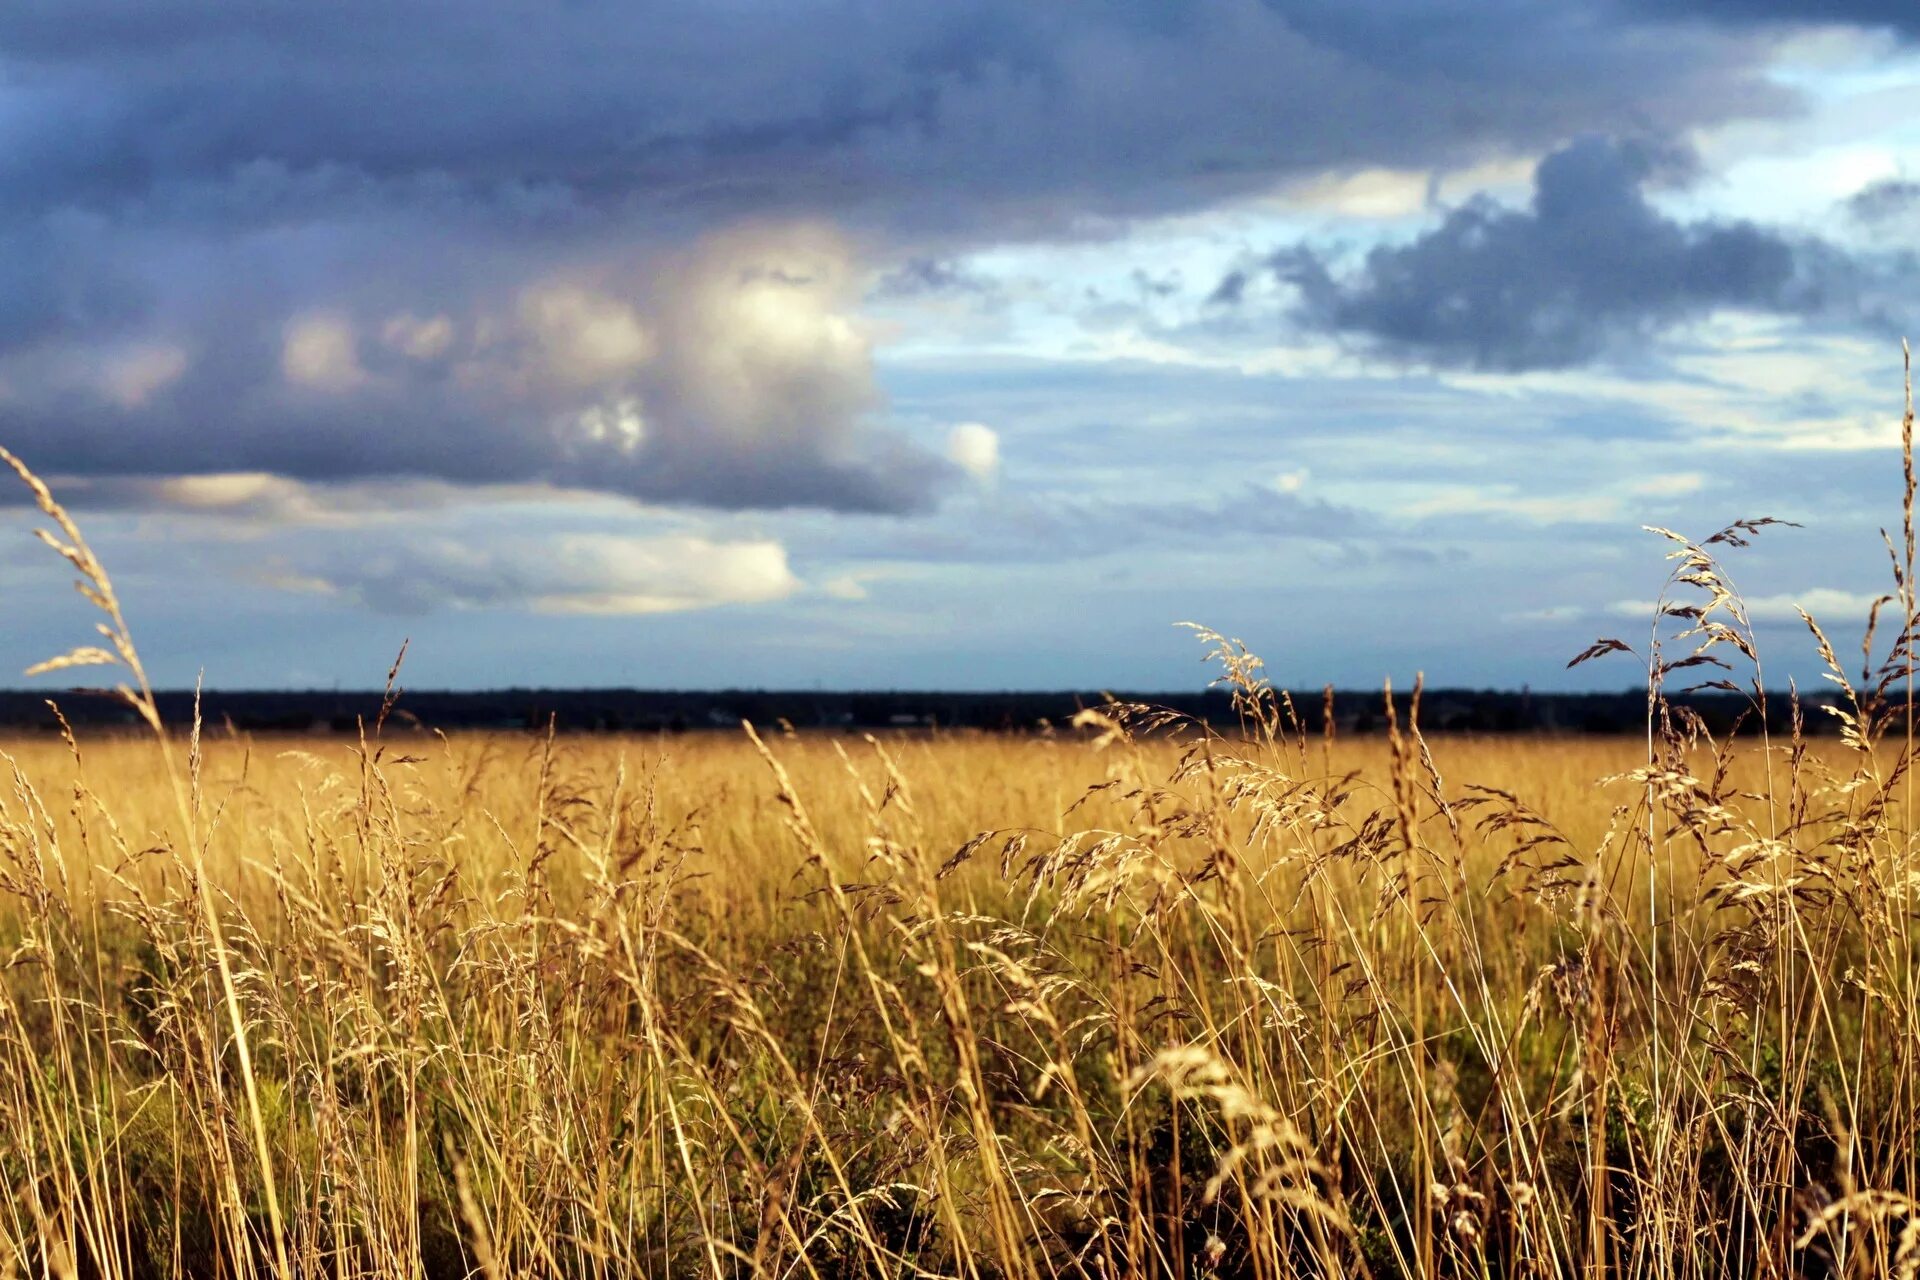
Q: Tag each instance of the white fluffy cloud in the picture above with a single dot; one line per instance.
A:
(974, 447)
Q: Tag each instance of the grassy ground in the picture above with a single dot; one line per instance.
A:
(1187, 1005)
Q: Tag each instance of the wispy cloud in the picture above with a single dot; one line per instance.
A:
(1828, 604)
(577, 573)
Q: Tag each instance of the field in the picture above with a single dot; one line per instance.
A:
(1141, 998)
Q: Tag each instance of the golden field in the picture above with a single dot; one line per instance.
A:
(611, 1006)
(1141, 998)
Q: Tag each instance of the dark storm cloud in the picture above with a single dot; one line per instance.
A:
(262, 110)
(1589, 264)
(336, 241)
(729, 377)
(1896, 15)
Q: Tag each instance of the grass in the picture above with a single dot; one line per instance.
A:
(1144, 998)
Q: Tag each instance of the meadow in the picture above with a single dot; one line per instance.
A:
(1138, 997)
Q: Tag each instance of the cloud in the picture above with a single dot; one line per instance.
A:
(319, 354)
(1056, 526)
(1885, 201)
(1551, 613)
(417, 338)
(372, 262)
(132, 377)
(578, 573)
(1896, 15)
(975, 448)
(731, 373)
(1828, 605)
(253, 493)
(923, 277)
(208, 111)
(230, 505)
(1231, 290)
(1673, 484)
(1509, 500)
(846, 586)
(1591, 265)
(584, 338)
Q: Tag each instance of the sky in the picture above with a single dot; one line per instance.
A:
(973, 345)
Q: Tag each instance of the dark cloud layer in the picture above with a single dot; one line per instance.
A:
(1896, 15)
(472, 242)
(260, 112)
(1589, 264)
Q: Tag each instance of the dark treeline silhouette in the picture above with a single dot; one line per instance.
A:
(656, 711)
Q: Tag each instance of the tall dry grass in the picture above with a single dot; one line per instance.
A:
(1148, 998)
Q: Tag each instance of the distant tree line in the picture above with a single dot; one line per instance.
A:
(671, 711)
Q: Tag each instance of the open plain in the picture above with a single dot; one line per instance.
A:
(1134, 998)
